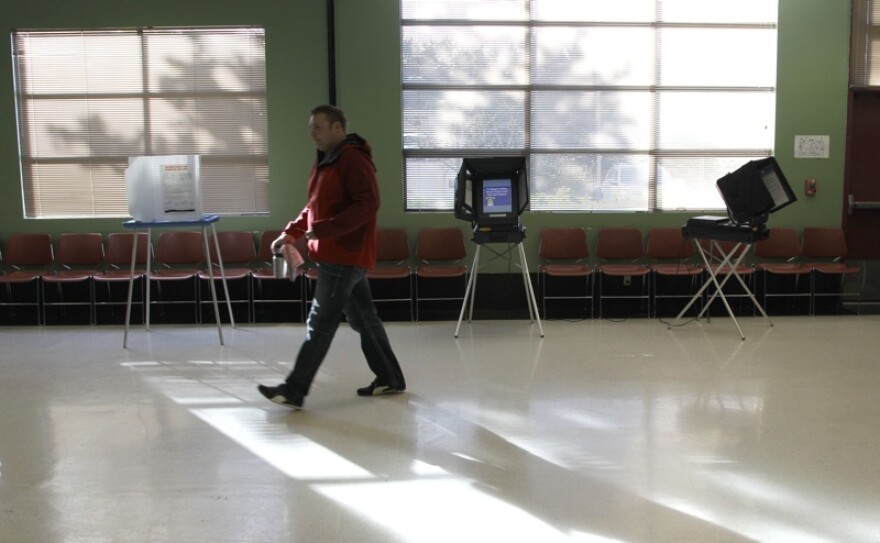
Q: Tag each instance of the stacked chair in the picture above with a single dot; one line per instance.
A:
(622, 275)
(674, 274)
(27, 259)
(111, 283)
(391, 280)
(824, 250)
(70, 285)
(782, 273)
(180, 257)
(238, 256)
(440, 274)
(563, 273)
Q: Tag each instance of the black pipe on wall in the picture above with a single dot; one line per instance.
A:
(331, 49)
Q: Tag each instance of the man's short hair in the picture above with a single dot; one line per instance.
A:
(333, 114)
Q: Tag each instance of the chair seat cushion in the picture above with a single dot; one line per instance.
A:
(268, 274)
(567, 270)
(174, 275)
(676, 269)
(118, 275)
(19, 277)
(623, 269)
(784, 268)
(834, 268)
(231, 274)
(440, 271)
(67, 276)
(389, 272)
(741, 270)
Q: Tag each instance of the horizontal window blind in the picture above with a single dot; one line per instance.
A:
(88, 100)
(865, 49)
(620, 106)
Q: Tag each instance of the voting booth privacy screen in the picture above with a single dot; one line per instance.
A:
(164, 188)
(754, 191)
(491, 191)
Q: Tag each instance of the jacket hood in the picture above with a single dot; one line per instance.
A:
(351, 140)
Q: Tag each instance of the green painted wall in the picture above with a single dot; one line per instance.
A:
(813, 71)
(812, 94)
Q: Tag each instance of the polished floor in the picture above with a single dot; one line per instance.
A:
(600, 432)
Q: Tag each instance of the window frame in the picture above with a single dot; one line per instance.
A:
(200, 91)
(652, 158)
(864, 61)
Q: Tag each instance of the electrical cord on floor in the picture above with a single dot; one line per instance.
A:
(668, 288)
(545, 319)
(671, 325)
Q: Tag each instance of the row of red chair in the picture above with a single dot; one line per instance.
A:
(40, 274)
(624, 256)
(31, 267)
(43, 275)
(624, 253)
(818, 253)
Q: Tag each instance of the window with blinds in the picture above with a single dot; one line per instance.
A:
(865, 48)
(86, 101)
(620, 106)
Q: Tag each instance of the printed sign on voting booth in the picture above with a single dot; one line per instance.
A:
(164, 188)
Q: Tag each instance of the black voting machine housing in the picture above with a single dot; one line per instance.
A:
(754, 191)
(491, 193)
(751, 193)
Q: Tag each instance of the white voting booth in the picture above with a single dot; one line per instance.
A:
(164, 188)
(164, 192)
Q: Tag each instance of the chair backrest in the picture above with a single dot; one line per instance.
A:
(440, 244)
(119, 248)
(26, 249)
(235, 247)
(668, 243)
(563, 244)
(392, 245)
(824, 243)
(619, 244)
(781, 243)
(175, 248)
(77, 249)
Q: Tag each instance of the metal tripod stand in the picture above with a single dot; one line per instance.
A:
(471, 289)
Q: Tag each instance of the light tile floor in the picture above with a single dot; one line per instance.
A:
(599, 432)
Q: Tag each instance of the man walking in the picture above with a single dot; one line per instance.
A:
(339, 222)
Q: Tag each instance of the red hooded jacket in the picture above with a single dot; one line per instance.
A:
(342, 206)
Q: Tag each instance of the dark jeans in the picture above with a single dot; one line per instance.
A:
(344, 290)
